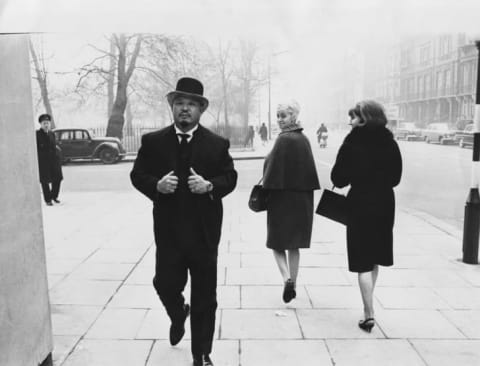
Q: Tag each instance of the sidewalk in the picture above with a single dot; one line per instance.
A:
(100, 257)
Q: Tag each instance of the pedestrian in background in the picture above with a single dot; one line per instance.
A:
(249, 137)
(186, 170)
(49, 161)
(369, 161)
(263, 133)
(290, 178)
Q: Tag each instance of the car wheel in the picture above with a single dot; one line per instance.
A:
(441, 140)
(108, 155)
(427, 140)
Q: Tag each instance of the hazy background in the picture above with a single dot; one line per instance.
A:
(310, 40)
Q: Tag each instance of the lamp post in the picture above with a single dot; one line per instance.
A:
(270, 91)
(471, 224)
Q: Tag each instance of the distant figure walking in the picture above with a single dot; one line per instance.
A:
(249, 137)
(322, 135)
(369, 161)
(290, 177)
(49, 162)
(263, 134)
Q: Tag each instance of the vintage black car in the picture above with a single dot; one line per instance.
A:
(76, 143)
(465, 138)
(439, 132)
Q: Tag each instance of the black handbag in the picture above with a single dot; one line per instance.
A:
(258, 198)
(333, 206)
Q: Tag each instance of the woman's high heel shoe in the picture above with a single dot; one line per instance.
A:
(367, 324)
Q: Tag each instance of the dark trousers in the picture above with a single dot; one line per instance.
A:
(171, 272)
(50, 194)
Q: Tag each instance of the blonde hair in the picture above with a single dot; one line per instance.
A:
(291, 107)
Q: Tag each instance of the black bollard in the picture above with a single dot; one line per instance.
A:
(471, 224)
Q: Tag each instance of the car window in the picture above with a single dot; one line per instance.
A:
(65, 135)
(79, 135)
(85, 135)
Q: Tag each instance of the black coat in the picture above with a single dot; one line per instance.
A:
(49, 164)
(291, 177)
(210, 159)
(369, 161)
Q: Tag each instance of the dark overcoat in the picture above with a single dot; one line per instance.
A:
(210, 159)
(49, 164)
(290, 177)
(369, 160)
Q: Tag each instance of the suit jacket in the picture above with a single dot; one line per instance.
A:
(157, 156)
(49, 164)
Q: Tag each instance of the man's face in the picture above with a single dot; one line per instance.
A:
(186, 112)
(45, 125)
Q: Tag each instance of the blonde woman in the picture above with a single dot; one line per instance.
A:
(290, 177)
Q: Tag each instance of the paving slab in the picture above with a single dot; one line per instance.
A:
(333, 323)
(225, 353)
(270, 297)
(260, 324)
(449, 352)
(368, 352)
(467, 321)
(136, 297)
(102, 271)
(461, 298)
(416, 324)
(110, 353)
(284, 353)
(117, 324)
(73, 319)
(62, 346)
(339, 297)
(83, 292)
(409, 298)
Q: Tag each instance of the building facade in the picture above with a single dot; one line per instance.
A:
(425, 79)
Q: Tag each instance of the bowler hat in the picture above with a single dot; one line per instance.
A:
(191, 88)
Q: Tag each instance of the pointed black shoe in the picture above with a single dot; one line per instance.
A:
(202, 360)
(289, 292)
(177, 329)
(56, 200)
(367, 324)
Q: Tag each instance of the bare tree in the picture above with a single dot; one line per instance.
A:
(42, 78)
(111, 76)
(124, 73)
(249, 77)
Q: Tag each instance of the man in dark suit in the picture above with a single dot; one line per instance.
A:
(49, 164)
(185, 169)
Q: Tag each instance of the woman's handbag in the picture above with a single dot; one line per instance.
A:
(333, 206)
(258, 198)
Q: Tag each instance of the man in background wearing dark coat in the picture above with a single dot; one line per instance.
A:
(185, 169)
(49, 164)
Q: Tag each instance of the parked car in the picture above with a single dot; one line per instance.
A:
(439, 132)
(407, 131)
(77, 143)
(465, 138)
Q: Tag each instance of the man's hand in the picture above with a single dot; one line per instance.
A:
(197, 184)
(168, 184)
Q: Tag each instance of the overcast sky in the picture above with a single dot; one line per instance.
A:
(315, 33)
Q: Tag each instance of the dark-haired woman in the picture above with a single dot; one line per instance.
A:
(369, 161)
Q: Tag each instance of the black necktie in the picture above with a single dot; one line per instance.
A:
(184, 141)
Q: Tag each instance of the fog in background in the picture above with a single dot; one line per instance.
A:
(307, 42)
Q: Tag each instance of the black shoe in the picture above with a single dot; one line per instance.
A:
(56, 200)
(177, 329)
(367, 324)
(49, 203)
(202, 360)
(289, 292)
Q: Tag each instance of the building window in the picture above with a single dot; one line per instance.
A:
(424, 53)
(445, 45)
